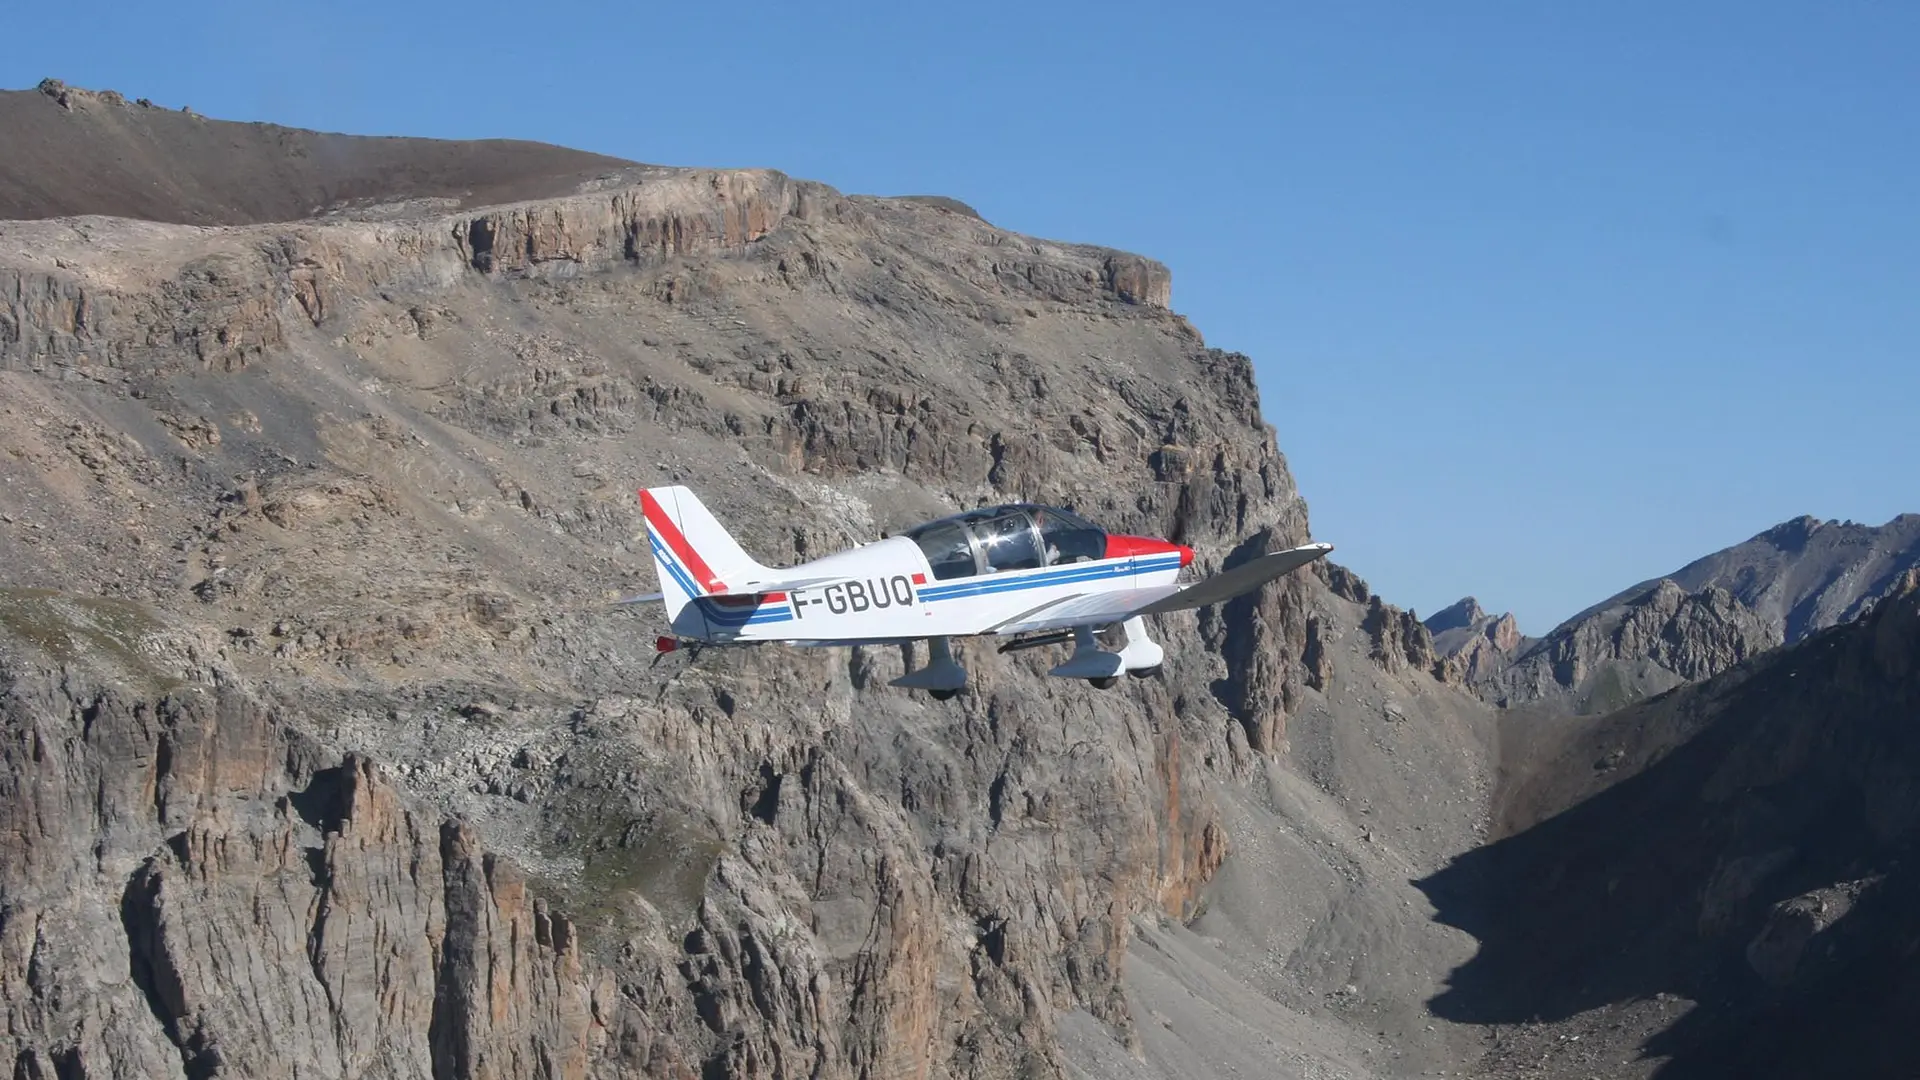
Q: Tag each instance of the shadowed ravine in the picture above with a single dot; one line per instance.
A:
(1757, 858)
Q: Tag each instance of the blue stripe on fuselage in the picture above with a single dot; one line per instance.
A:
(994, 583)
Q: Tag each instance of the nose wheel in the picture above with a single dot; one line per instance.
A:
(1139, 657)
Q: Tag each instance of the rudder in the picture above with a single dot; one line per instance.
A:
(692, 552)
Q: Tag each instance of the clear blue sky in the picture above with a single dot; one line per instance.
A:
(1545, 297)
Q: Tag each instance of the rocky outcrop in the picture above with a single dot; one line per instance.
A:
(1462, 614)
(1664, 638)
(1137, 280)
(1472, 645)
(189, 892)
(1777, 953)
(1400, 641)
(1397, 640)
(1504, 634)
(226, 298)
(679, 214)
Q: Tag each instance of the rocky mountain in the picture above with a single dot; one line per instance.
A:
(1740, 859)
(1802, 575)
(325, 755)
(1471, 644)
(1794, 579)
(74, 152)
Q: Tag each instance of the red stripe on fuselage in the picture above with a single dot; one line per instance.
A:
(677, 543)
(1120, 546)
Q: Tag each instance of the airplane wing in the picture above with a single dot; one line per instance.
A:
(1244, 578)
(1085, 609)
(1100, 609)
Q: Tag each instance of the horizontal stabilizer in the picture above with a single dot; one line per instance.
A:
(778, 584)
(642, 598)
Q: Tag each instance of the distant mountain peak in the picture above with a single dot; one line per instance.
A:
(1794, 533)
(1461, 613)
(1798, 577)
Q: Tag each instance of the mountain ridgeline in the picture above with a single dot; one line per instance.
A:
(1794, 579)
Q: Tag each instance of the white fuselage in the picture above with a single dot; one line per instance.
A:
(891, 594)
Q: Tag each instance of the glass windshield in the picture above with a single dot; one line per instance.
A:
(947, 549)
(1006, 537)
(1016, 537)
(1068, 538)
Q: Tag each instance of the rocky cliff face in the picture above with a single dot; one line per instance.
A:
(276, 916)
(325, 755)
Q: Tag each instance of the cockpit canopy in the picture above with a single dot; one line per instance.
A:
(1018, 536)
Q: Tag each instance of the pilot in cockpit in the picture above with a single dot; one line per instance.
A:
(1052, 553)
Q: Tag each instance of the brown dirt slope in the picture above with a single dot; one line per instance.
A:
(71, 152)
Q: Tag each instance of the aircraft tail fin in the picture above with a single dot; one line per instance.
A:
(693, 553)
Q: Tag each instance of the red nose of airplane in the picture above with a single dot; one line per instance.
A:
(1120, 545)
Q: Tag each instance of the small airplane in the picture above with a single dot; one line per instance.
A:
(1039, 575)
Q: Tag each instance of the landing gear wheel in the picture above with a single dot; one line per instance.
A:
(1104, 682)
(1145, 672)
(942, 695)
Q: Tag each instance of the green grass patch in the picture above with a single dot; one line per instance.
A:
(86, 629)
(638, 874)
